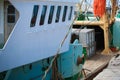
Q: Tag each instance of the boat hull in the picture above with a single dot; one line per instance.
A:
(66, 66)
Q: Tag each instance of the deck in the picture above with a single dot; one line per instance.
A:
(112, 72)
(94, 64)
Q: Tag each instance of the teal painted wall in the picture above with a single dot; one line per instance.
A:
(116, 33)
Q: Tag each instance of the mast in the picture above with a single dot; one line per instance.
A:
(104, 23)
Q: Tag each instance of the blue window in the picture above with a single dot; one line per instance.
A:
(42, 19)
(34, 16)
(64, 13)
(70, 14)
(58, 14)
(51, 14)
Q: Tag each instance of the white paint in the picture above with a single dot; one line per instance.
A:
(26, 45)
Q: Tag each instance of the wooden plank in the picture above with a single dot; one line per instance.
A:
(96, 63)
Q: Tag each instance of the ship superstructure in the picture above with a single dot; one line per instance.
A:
(41, 28)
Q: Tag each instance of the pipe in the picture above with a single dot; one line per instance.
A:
(88, 23)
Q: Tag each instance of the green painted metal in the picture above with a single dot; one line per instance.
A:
(85, 55)
(118, 14)
(1, 46)
(116, 33)
(2, 75)
(111, 33)
(68, 60)
(81, 17)
(33, 71)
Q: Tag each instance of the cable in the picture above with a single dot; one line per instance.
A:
(55, 57)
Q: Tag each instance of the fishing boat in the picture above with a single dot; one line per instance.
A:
(109, 23)
(37, 41)
(38, 46)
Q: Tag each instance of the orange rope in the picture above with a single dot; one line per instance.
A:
(99, 7)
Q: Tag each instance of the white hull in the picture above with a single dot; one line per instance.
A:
(25, 44)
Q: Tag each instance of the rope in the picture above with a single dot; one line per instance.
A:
(55, 74)
(55, 57)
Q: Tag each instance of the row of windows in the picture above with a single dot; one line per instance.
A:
(51, 13)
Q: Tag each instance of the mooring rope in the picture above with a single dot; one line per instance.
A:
(43, 78)
(58, 51)
(62, 42)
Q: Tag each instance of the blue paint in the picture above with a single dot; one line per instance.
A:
(68, 61)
